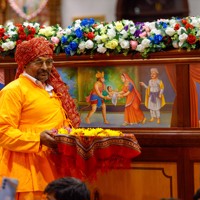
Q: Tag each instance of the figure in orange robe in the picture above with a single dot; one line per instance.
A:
(132, 113)
(31, 106)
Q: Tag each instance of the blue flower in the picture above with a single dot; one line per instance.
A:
(67, 50)
(163, 24)
(158, 39)
(73, 45)
(79, 33)
(63, 39)
(87, 22)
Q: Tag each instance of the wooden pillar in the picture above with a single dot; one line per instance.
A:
(183, 95)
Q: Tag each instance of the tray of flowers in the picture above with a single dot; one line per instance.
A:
(82, 152)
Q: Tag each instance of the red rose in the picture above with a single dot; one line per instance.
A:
(187, 26)
(5, 37)
(176, 27)
(22, 36)
(90, 35)
(191, 39)
(184, 21)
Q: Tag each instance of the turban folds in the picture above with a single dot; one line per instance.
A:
(28, 51)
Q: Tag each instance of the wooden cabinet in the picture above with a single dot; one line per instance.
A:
(149, 10)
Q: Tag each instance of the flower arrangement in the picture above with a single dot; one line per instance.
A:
(89, 132)
(90, 37)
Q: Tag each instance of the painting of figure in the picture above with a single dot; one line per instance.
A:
(123, 95)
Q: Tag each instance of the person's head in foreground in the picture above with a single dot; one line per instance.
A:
(67, 188)
(197, 195)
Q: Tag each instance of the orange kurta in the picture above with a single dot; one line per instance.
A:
(25, 111)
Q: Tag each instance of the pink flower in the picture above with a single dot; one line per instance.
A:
(146, 28)
(133, 44)
(142, 35)
(55, 40)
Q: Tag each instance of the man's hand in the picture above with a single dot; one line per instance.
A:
(46, 138)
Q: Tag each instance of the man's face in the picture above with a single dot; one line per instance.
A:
(40, 68)
(154, 75)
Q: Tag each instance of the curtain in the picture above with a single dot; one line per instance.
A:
(171, 72)
(194, 78)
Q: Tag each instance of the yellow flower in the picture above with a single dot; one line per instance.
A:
(114, 133)
(47, 31)
(119, 26)
(112, 44)
(62, 131)
(90, 132)
(104, 37)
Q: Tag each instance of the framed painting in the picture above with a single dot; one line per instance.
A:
(136, 96)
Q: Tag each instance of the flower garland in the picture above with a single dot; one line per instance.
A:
(89, 37)
(19, 11)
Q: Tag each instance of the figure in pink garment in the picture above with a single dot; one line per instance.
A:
(132, 113)
(96, 98)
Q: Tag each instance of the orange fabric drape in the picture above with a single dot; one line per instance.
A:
(194, 78)
(171, 72)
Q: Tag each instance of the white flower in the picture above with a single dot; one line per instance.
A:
(198, 33)
(8, 45)
(163, 20)
(77, 24)
(110, 26)
(172, 22)
(183, 37)
(59, 34)
(98, 38)
(111, 33)
(140, 48)
(89, 44)
(12, 32)
(124, 34)
(175, 44)
(155, 31)
(81, 46)
(101, 48)
(151, 25)
(170, 31)
(68, 31)
(10, 25)
(146, 42)
(126, 22)
(100, 26)
(181, 30)
(195, 22)
(125, 44)
(132, 29)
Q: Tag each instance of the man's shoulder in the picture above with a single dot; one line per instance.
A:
(13, 84)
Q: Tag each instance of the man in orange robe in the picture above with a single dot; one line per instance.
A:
(31, 106)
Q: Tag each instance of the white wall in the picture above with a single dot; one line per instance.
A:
(87, 8)
(194, 7)
(79, 8)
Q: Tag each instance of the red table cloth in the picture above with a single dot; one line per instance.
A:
(84, 156)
